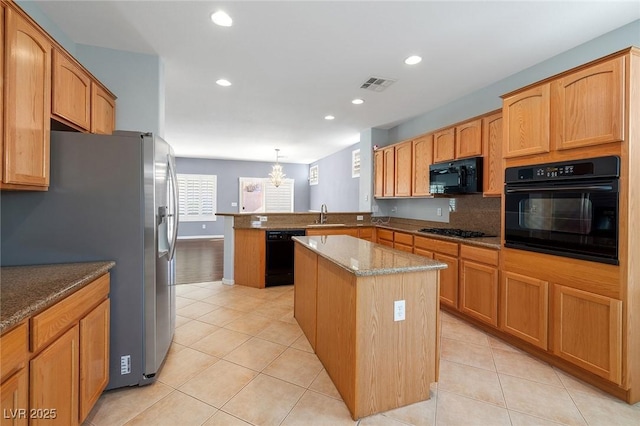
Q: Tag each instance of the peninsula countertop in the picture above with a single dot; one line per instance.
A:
(363, 258)
(27, 290)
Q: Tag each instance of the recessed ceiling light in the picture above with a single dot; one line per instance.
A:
(223, 82)
(222, 19)
(357, 101)
(412, 60)
(329, 117)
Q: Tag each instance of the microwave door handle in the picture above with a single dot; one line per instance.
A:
(462, 176)
(561, 188)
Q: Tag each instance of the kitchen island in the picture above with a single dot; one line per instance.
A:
(371, 315)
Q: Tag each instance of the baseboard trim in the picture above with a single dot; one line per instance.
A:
(228, 281)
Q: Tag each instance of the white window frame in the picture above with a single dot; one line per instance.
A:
(355, 163)
(313, 175)
(264, 186)
(200, 213)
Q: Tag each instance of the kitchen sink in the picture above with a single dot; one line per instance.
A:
(325, 225)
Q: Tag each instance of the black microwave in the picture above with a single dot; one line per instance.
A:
(456, 177)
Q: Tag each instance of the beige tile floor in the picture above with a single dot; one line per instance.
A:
(239, 358)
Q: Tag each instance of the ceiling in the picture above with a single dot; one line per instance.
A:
(291, 63)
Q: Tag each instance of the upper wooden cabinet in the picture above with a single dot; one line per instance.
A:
(403, 174)
(444, 145)
(27, 105)
(103, 110)
(388, 159)
(587, 107)
(71, 92)
(422, 159)
(526, 119)
(469, 139)
(493, 178)
(378, 165)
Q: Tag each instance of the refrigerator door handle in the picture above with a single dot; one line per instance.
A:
(173, 215)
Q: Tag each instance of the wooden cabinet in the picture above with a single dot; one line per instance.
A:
(422, 159)
(403, 241)
(444, 145)
(27, 105)
(367, 233)
(94, 357)
(588, 331)
(71, 92)
(54, 380)
(306, 288)
(524, 308)
(14, 399)
(353, 232)
(69, 367)
(446, 252)
(493, 179)
(388, 159)
(469, 139)
(103, 110)
(384, 237)
(378, 188)
(526, 121)
(479, 283)
(587, 106)
(402, 168)
(249, 257)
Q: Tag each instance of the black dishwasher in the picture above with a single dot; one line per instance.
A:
(279, 267)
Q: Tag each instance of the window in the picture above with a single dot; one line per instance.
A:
(313, 175)
(197, 195)
(259, 195)
(355, 163)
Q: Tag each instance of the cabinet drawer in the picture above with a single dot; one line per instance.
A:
(402, 238)
(482, 255)
(13, 348)
(439, 246)
(54, 321)
(365, 233)
(385, 234)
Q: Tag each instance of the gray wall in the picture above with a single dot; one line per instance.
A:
(228, 172)
(336, 188)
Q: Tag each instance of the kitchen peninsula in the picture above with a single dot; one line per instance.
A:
(371, 315)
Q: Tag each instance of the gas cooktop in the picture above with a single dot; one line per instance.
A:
(453, 232)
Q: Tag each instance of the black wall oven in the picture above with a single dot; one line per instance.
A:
(566, 209)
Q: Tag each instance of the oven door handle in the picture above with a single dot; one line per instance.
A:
(561, 188)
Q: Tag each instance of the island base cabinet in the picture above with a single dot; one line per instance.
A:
(306, 288)
(53, 388)
(588, 331)
(14, 395)
(525, 304)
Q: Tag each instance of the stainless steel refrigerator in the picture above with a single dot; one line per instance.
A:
(110, 198)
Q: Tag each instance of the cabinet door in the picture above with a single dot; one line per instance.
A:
(588, 331)
(422, 159)
(2, 98)
(479, 291)
(366, 234)
(54, 380)
(493, 179)
(28, 103)
(14, 399)
(526, 117)
(588, 106)
(94, 357)
(525, 308)
(103, 111)
(423, 252)
(378, 190)
(469, 139)
(250, 257)
(71, 92)
(305, 291)
(388, 155)
(444, 145)
(448, 280)
(403, 175)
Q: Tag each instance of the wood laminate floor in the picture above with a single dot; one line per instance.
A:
(199, 261)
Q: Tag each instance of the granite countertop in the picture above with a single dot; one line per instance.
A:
(364, 258)
(27, 290)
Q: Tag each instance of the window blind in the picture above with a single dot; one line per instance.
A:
(197, 197)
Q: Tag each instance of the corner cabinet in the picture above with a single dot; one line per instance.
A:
(446, 252)
(378, 160)
(103, 110)
(27, 105)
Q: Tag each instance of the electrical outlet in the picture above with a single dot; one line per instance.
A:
(394, 209)
(439, 211)
(263, 218)
(398, 310)
(204, 226)
(359, 217)
(234, 204)
(125, 364)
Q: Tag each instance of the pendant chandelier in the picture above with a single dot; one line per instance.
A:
(276, 174)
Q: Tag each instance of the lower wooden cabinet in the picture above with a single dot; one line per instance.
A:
(403, 241)
(14, 399)
(588, 331)
(448, 280)
(479, 291)
(306, 288)
(250, 254)
(53, 383)
(524, 311)
(384, 237)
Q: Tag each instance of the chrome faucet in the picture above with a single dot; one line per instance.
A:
(323, 213)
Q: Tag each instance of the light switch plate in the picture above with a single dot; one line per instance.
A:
(398, 310)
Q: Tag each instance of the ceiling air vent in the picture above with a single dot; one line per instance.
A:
(377, 84)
